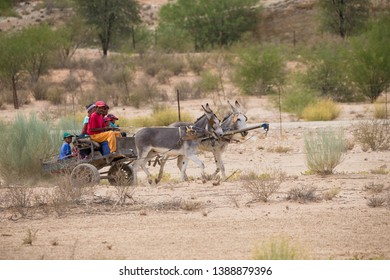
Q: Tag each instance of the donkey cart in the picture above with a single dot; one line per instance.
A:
(92, 164)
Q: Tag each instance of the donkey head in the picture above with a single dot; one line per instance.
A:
(235, 120)
(213, 124)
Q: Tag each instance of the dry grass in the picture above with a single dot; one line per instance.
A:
(376, 201)
(302, 194)
(262, 186)
(279, 248)
(332, 193)
(30, 237)
(323, 110)
(374, 188)
(373, 134)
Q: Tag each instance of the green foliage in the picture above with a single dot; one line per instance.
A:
(70, 37)
(170, 38)
(210, 23)
(28, 51)
(209, 82)
(259, 70)
(110, 18)
(39, 41)
(24, 142)
(296, 98)
(322, 110)
(6, 8)
(370, 59)
(12, 59)
(327, 72)
(344, 18)
(139, 40)
(323, 150)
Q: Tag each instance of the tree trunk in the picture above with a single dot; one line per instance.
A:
(14, 93)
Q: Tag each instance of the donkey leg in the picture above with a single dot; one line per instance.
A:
(184, 163)
(200, 163)
(161, 172)
(220, 165)
(144, 157)
(180, 162)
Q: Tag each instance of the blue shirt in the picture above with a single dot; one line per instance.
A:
(66, 151)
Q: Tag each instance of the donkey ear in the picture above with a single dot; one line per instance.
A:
(231, 106)
(238, 106)
(207, 108)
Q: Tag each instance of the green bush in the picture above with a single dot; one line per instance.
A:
(296, 99)
(259, 70)
(24, 142)
(323, 150)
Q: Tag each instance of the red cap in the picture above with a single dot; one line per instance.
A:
(100, 104)
(112, 117)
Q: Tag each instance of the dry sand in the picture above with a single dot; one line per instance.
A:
(224, 223)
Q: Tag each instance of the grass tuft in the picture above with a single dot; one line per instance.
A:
(324, 150)
(279, 248)
(323, 110)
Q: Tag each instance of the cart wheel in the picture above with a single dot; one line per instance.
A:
(84, 175)
(120, 175)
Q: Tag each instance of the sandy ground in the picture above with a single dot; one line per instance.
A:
(221, 221)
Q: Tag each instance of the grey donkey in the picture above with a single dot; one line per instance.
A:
(235, 120)
(173, 141)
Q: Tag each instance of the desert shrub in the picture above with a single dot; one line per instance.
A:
(322, 110)
(259, 69)
(374, 134)
(208, 82)
(326, 72)
(71, 83)
(189, 90)
(30, 237)
(163, 76)
(175, 64)
(190, 205)
(146, 92)
(25, 142)
(153, 63)
(296, 99)
(278, 248)
(380, 110)
(330, 194)
(196, 62)
(39, 90)
(262, 186)
(376, 201)
(374, 188)
(323, 150)
(55, 95)
(302, 194)
(20, 199)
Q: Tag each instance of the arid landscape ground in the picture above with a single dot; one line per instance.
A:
(218, 219)
(195, 220)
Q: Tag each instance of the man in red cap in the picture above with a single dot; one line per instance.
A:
(97, 129)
